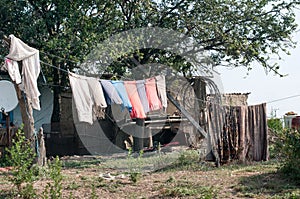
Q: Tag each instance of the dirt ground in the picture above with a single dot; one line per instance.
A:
(96, 177)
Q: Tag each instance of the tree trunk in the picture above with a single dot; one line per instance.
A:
(27, 116)
(55, 118)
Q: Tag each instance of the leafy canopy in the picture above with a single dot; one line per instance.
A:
(235, 33)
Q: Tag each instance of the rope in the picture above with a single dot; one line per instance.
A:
(36, 143)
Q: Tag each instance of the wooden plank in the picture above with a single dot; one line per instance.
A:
(187, 115)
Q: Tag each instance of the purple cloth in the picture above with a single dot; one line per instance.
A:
(111, 94)
(140, 84)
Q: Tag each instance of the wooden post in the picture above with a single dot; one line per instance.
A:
(8, 129)
(41, 159)
(138, 141)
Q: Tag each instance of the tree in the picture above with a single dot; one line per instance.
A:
(63, 31)
(235, 33)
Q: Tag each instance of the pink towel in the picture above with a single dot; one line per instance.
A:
(151, 90)
(137, 107)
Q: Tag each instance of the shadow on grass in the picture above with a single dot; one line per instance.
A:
(272, 185)
(78, 164)
(6, 195)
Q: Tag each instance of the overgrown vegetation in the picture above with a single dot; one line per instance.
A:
(185, 176)
(290, 149)
(55, 188)
(285, 147)
(135, 166)
(21, 157)
(24, 172)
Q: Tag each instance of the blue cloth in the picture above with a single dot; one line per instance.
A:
(111, 94)
(140, 84)
(119, 86)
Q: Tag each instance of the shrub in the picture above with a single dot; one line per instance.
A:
(21, 157)
(54, 189)
(275, 124)
(290, 150)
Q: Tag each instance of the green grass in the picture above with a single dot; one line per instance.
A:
(184, 188)
(273, 184)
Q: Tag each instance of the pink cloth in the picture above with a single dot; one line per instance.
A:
(137, 107)
(151, 91)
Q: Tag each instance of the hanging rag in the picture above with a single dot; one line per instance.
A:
(19, 51)
(82, 98)
(140, 84)
(137, 107)
(111, 94)
(151, 91)
(88, 97)
(161, 90)
(12, 68)
(96, 92)
(119, 86)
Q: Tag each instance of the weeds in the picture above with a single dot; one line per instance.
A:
(56, 177)
(21, 157)
(186, 189)
(135, 166)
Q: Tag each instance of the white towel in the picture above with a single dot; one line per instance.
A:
(19, 51)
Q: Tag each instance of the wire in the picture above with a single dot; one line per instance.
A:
(55, 67)
(285, 98)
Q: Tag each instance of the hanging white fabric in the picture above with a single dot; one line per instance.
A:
(88, 97)
(19, 51)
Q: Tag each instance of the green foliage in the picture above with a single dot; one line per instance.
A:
(290, 150)
(275, 124)
(93, 194)
(188, 158)
(275, 137)
(187, 189)
(234, 33)
(56, 177)
(21, 157)
(135, 166)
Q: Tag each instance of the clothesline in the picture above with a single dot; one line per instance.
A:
(66, 71)
(54, 67)
(138, 97)
(63, 70)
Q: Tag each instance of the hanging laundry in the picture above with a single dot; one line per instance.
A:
(88, 97)
(13, 70)
(151, 91)
(119, 86)
(19, 51)
(161, 90)
(140, 84)
(82, 98)
(137, 107)
(97, 97)
(111, 93)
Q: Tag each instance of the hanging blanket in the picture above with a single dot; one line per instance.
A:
(140, 84)
(137, 107)
(151, 91)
